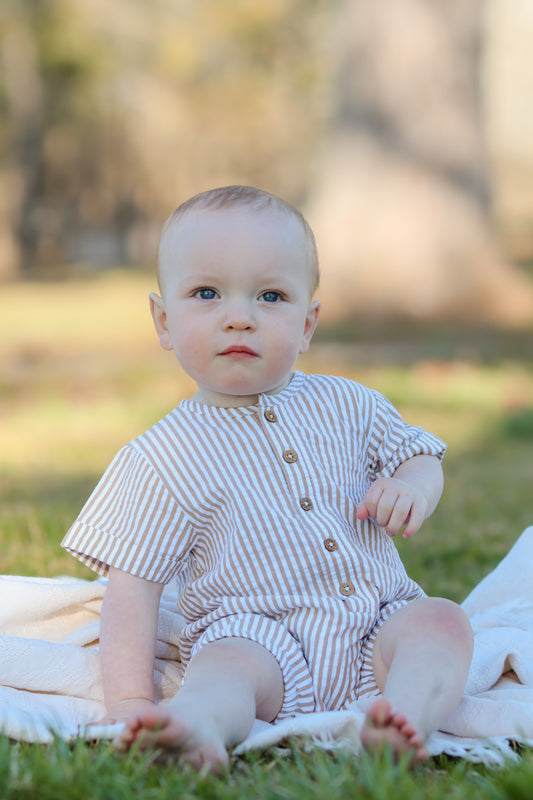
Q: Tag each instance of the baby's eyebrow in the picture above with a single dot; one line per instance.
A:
(199, 281)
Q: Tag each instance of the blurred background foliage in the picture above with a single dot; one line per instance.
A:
(114, 113)
(402, 129)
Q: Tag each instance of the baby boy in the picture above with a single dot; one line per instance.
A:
(272, 498)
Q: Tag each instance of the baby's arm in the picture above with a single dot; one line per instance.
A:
(408, 498)
(127, 644)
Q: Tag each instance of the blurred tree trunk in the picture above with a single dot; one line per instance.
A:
(24, 98)
(402, 204)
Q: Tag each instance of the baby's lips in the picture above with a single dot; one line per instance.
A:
(239, 350)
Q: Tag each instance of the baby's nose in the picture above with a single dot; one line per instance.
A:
(239, 324)
(239, 316)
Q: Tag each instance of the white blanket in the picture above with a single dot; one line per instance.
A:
(50, 677)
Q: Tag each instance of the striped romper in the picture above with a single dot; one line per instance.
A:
(252, 511)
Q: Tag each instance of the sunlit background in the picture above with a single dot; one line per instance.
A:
(403, 130)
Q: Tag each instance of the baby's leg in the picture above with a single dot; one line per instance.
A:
(421, 658)
(229, 683)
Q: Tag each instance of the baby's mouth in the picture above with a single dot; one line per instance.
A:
(239, 352)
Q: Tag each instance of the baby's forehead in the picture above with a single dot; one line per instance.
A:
(199, 229)
(180, 223)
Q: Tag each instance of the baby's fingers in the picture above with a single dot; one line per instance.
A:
(416, 518)
(383, 504)
(393, 505)
(393, 513)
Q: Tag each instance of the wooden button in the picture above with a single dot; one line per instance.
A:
(290, 456)
(270, 415)
(330, 545)
(306, 503)
(347, 588)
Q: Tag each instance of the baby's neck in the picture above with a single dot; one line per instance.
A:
(220, 400)
(223, 400)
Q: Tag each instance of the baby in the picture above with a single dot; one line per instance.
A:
(271, 497)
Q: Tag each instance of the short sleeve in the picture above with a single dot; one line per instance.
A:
(130, 522)
(393, 441)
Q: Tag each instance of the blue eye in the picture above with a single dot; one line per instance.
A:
(206, 294)
(271, 297)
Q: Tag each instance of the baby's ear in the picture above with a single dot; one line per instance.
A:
(159, 316)
(311, 321)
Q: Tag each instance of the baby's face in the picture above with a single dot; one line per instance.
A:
(236, 301)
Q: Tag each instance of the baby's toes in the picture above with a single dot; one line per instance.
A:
(127, 736)
(401, 722)
(379, 714)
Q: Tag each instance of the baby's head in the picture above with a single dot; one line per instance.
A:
(237, 272)
(236, 197)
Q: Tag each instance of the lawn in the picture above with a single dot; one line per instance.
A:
(82, 374)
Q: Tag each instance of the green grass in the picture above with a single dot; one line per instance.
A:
(82, 373)
(85, 772)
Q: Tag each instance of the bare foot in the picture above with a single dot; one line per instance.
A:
(384, 728)
(180, 734)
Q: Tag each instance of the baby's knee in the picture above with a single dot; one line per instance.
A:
(447, 618)
(251, 665)
(237, 654)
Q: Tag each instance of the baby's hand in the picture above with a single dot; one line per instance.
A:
(393, 504)
(125, 710)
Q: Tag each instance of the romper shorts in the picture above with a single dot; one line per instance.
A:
(299, 687)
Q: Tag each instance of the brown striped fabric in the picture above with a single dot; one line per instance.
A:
(252, 512)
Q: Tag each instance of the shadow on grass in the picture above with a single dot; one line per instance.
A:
(49, 490)
(404, 342)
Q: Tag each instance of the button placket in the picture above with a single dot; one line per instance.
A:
(289, 455)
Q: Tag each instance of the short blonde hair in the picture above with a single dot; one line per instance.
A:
(246, 197)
